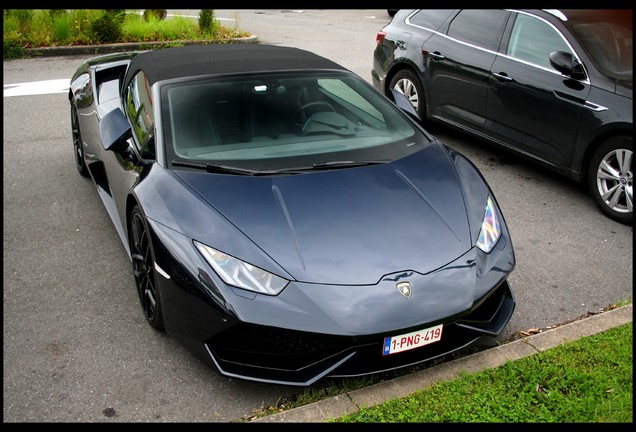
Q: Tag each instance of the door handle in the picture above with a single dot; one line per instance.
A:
(435, 55)
(502, 76)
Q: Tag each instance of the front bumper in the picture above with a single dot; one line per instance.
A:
(288, 357)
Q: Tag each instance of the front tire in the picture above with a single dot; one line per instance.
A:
(611, 179)
(78, 145)
(407, 83)
(143, 263)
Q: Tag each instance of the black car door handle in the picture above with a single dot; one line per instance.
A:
(502, 76)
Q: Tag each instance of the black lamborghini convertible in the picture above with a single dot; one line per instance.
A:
(285, 221)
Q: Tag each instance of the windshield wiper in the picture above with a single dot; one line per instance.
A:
(226, 169)
(212, 168)
(346, 164)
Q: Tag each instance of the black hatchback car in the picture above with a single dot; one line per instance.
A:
(552, 85)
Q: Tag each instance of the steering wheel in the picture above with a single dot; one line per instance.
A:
(302, 114)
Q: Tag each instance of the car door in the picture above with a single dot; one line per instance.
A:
(458, 61)
(531, 106)
(124, 168)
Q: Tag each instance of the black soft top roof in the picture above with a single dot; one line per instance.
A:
(168, 63)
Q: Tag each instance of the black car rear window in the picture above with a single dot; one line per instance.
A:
(431, 19)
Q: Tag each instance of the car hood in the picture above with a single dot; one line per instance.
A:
(348, 226)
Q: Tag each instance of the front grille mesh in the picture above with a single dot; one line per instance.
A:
(275, 347)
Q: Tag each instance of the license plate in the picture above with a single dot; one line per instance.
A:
(416, 339)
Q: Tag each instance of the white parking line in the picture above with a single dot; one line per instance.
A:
(37, 87)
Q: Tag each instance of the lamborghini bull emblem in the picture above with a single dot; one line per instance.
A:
(405, 289)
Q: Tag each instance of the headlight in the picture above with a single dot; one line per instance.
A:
(490, 228)
(241, 274)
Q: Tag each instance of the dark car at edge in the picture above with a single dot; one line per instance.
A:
(554, 86)
(284, 220)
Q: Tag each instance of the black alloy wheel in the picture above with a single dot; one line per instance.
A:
(143, 262)
(611, 179)
(78, 146)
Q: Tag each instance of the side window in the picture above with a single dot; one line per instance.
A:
(430, 19)
(139, 111)
(481, 27)
(532, 40)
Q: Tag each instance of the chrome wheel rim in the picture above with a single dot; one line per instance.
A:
(143, 267)
(614, 179)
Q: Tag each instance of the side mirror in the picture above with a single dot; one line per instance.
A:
(114, 130)
(565, 63)
(403, 103)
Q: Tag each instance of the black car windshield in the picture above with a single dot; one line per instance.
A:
(276, 121)
(607, 37)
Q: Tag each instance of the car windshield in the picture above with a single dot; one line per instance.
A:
(276, 121)
(607, 37)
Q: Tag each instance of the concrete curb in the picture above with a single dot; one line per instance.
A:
(123, 47)
(351, 402)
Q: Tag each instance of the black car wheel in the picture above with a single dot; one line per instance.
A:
(78, 146)
(407, 83)
(143, 261)
(611, 178)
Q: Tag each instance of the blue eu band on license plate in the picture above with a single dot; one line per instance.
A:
(416, 339)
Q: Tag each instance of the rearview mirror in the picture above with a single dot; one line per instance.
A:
(567, 64)
(403, 103)
(114, 130)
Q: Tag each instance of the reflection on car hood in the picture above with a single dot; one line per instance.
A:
(348, 226)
